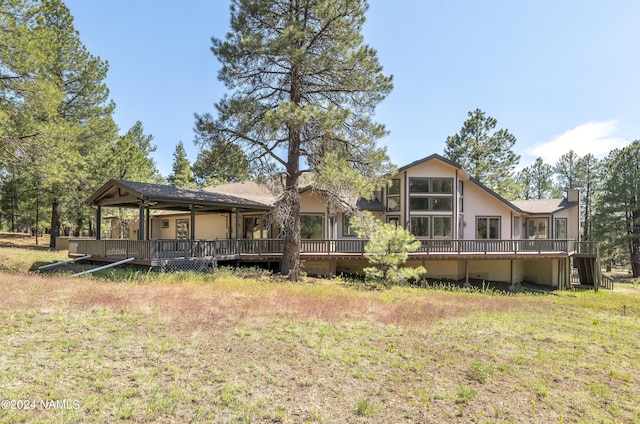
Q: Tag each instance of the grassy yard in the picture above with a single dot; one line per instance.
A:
(231, 348)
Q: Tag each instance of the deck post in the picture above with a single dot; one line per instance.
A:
(513, 276)
(567, 270)
(466, 272)
(98, 222)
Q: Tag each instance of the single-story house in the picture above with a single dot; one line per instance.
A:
(467, 231)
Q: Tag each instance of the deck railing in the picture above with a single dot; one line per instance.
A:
(168, 249)
(114, 248)
(496, 246)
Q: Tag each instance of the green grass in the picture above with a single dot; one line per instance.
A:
(244, 348)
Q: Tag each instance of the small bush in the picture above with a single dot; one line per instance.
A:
(367, 407)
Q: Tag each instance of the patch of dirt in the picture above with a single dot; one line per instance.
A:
(24, 240)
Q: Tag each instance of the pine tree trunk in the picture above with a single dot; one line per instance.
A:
(635, 243)
(291, 255)
(56, 212)
(291, 197)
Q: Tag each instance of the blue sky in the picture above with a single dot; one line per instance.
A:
(559, 75)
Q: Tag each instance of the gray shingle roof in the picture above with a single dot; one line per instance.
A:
(543, 205)
(165, 196)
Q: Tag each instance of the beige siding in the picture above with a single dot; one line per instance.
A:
(312, 203)
(480, 203)
(573, 221)
(207, 226)
(453, 269)
(541, 271)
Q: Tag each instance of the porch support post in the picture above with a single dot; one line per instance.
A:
(237, 224)
(513, 275)
(466, 272)
(148, 225)
(567, 270)
(141, 225)
(563, 270)
(98, 222)
(193, 222)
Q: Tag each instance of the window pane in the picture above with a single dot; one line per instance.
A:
(182, 229)
(420, 226)
(444, 185)
(537, 228)
(393, 203)
(253, 227)
(494, 228)
(347, 229)
(311, 227)
(419, 204)
(418, 185)
(481, 232)
(442, 203)
(395, 220)
(394, 187)
(561, 228)
(442, 226)
(516, 227)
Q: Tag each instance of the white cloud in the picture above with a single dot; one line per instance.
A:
(596, 138)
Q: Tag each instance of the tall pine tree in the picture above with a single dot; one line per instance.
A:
(218, 161)
(617, 220)
(486, 154)
(304, 87)
(57, 111)
(181, 174)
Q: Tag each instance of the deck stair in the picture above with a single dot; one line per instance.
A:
(589, 275)
(586, 267)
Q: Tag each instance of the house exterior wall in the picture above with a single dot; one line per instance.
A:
(427, 170)
(572, 215)
(207, 226)
(453, 269)
(311, 202)
(468, 202)
(478, 203)
(541, 271)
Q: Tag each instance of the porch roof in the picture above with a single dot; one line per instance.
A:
(129, 194)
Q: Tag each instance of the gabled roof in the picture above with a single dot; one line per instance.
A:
(459, 167)
(544, 206)
(131, 194)
(431, 157)
(541, 206)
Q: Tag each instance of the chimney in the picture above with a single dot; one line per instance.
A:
(573, 195)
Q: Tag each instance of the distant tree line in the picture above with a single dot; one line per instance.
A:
(58, 139)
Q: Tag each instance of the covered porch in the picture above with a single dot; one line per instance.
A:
(147, 197)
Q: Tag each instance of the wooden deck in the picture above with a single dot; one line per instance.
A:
(153, 252)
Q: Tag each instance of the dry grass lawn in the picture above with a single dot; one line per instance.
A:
(222, 348)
